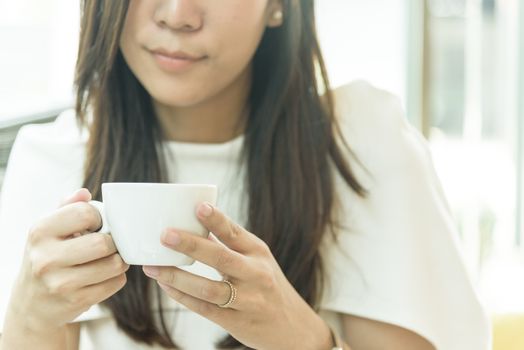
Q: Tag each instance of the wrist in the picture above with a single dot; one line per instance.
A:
(309, 331)
(330, 339)
(322, 336)
(20, 319)
(24, 333)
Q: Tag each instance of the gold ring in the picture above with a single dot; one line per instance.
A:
(232, 295)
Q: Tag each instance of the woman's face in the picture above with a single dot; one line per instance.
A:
(221, 36)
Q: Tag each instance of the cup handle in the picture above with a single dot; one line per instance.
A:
(100, 207)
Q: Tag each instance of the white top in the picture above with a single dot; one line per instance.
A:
(398, 261)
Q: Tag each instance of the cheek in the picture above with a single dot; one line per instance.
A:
(137, 18)
(131, 42)
(239, 30)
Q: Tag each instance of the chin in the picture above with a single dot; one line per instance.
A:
(177, 97)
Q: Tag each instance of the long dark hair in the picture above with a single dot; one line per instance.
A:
(290, 148)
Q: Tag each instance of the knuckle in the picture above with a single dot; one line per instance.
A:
(39, 266)
(234, 230)
(102, 244)
(205, 308)
(80, 301)
(266, 281)
(224, 260)
(84, 214)
(122, 280)
(191, 245)
(115, 285)
(263, 247)
(208, 292)
(59, 288)
(36, 232)
(170, 278)
(118, 263)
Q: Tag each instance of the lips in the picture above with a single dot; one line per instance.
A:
(175, 61)
(181, 55)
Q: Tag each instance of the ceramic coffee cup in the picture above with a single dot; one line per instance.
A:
(136, 214)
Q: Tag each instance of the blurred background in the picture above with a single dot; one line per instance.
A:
(457, 65)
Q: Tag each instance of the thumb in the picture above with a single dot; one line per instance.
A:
(81, 194)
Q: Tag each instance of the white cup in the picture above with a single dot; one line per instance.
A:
(136, 214)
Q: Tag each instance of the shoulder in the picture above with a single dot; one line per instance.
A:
(362, 103)
(45, 160)
(399, 242)
(47, 144)
(63, 131)
(373, 123)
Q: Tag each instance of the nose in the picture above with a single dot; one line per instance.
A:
(179, 15)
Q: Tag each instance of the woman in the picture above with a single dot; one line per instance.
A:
(308, 252)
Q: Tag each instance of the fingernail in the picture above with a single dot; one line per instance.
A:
(205, 209)
(152, 271)
(80, 190)
(75, 193)
(171, 237)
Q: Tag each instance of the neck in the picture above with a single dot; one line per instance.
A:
(218, 119)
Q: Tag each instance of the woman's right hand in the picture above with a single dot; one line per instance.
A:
(64, 272)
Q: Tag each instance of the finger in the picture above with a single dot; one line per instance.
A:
(227, 231)
(80, 195)
(210, 253)
(97, 271)
(97, 293)
(83, 249)
(78, 217)
(215, 292)
(75, 277)
(212, 312)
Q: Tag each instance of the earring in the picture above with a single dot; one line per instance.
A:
(277, 15)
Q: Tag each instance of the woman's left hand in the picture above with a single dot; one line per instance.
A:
(268, 313)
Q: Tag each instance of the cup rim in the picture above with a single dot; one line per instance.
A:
(155, 184)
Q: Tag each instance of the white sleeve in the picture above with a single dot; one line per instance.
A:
(45, 165)
(398, 259)
(17, 213)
